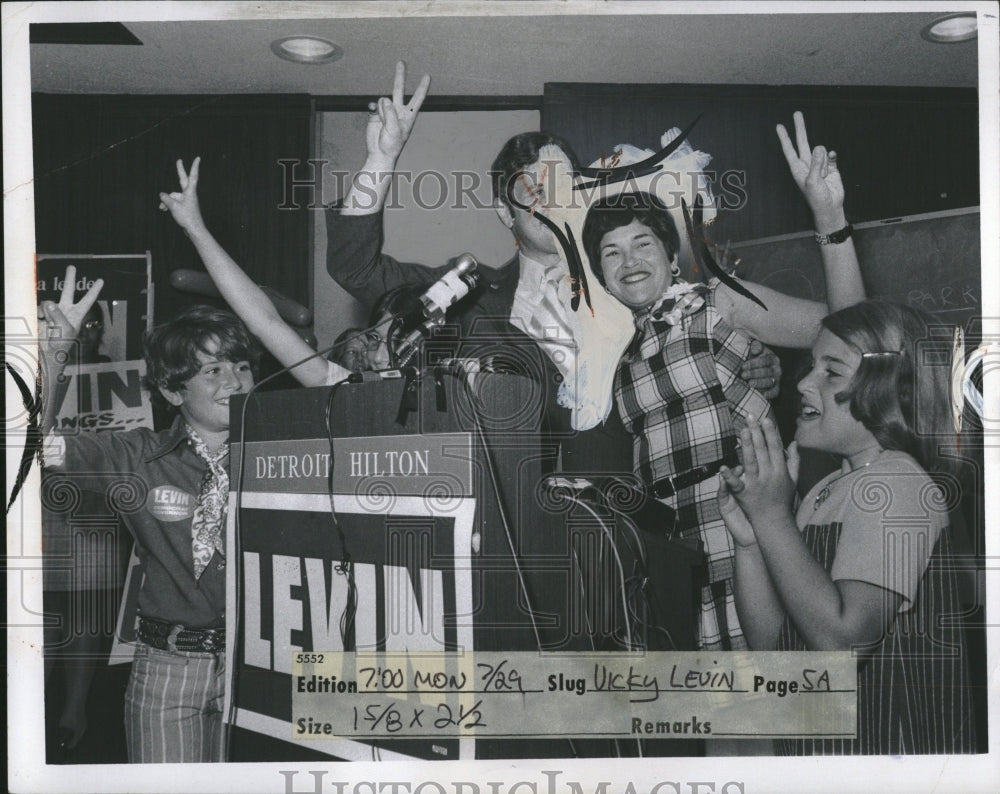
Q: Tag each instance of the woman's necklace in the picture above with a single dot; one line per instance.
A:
(824, 494)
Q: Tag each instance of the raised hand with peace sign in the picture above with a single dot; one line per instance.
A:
(63, 319)
(391, 120)
(816, 173)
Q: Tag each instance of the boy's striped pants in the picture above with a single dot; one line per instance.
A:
(173, 706)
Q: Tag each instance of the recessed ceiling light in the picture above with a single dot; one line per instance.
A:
(306, 49)
(951, 29)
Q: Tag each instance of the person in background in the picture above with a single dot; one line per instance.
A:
(863, 563)
(352, 347)
(90, 337)
(195, 362)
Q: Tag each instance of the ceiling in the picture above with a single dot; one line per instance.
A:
(509, 49)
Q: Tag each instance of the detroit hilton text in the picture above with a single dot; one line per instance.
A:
(390, 463)
(271, 467)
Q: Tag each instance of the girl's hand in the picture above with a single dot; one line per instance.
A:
(816, 175)
(768, 488)
(736, 521)
(390, 120)
(183, 206)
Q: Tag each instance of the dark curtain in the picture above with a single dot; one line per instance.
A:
(101, 161)
(902, 151)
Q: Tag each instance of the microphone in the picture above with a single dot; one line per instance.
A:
(454, 285)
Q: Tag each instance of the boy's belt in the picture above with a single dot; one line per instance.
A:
(174, 637)
(668, 486)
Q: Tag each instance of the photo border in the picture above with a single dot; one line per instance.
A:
(27, 771)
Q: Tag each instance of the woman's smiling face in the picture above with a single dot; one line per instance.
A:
(635, 264)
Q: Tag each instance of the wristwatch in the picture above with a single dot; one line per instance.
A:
(835, 237)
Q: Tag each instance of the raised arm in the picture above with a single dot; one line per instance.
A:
(793, 322)
(246, 299)
(818, 177)
(56, 340)
(389, 124)
(354, 234)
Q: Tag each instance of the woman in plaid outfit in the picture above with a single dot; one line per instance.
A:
(677, 386)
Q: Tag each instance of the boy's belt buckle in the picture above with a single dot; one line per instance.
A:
(172, 637)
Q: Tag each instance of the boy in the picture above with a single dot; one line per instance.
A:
(176, 484)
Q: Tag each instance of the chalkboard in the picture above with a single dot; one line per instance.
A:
(931, 261)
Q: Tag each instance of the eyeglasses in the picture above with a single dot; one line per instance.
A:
(90, 325)
(373, 339)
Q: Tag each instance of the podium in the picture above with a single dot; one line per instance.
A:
(356, 509)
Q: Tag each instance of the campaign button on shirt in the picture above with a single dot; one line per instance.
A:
(169, 503)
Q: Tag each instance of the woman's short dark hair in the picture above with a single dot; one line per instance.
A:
(614, 212)
(172, 348)
(521, 151)
(901, 399)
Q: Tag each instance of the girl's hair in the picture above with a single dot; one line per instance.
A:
(616, 211)
(902, 398)
(172, 348)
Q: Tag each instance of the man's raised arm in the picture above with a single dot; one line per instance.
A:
(354, 234)
(389, 124)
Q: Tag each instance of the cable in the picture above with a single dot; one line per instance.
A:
(590, 636)
(238, 528)
(390, 335)
(634, 529)
(346, 567)
(474, 403)
(631, 581)
(618, 560)
(626, 602)
(583, 592)
(636, 532)
(636, 583)
(495, 483)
